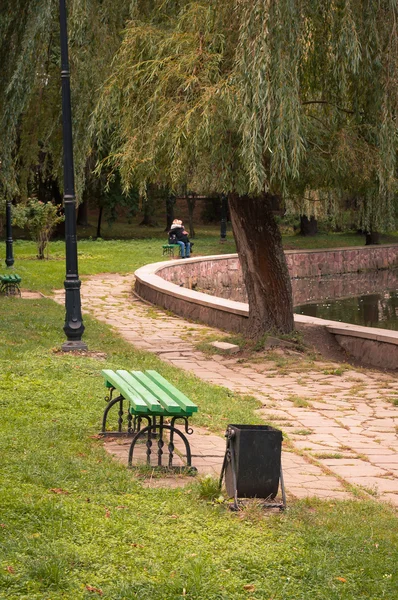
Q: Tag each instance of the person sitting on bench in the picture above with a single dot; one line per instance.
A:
(178, 235)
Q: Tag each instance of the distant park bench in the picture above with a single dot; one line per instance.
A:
(168, 249)
(151, 397)
(9, 285)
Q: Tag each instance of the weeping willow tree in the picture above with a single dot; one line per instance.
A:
(30, 90)
(253, 97)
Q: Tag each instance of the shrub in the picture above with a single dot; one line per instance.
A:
(40, 219)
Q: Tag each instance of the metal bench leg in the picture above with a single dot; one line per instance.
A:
(149, 430)
(131, 425)
(118, 399)
(160, 441)
(10, 289)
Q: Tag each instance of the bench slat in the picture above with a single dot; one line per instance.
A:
(125, 390)
(168, 403)
(151, 401)
(185, 403)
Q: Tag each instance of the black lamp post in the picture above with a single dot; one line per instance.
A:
(73, 327)
(9, 252)
(223, 225)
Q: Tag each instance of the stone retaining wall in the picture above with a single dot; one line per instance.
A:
(225, 271)
(171, 286)
(315, 263)
(222, 275)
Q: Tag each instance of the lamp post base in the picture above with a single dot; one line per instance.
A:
(75, 345)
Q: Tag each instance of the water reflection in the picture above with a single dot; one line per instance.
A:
(371, 310)
(369, 298)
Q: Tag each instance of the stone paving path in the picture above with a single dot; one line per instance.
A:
(342, 429)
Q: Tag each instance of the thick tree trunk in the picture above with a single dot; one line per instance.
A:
(149, 213)
(191, 207)
(264, 268)
(99, 222)
(308, 226)
(82, 212)
(373, 237)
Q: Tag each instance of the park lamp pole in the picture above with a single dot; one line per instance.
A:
(73, 327)
(223, 225)
(9, 251)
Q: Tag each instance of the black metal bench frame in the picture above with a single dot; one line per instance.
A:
(9, 287)
(153, 430)
(168, 249)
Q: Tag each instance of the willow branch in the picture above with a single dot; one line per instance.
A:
(345, 110)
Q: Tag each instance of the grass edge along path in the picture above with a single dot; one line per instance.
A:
(74, 524)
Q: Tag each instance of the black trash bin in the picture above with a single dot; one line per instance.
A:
(252, 462)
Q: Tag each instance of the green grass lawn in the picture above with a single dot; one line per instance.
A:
(110, 256)
(76, 525)
(333, 240)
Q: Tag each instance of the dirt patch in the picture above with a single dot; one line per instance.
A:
(27, 295)
(318, 339)
(85, 353)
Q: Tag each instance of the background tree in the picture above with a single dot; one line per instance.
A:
(249, 98)
(282, 97)
(170, 203)
(30, 93)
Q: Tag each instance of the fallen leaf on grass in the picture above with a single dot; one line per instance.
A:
(137, 545)
(91, 588)
(10, 569)
(341, 579)
(3, 525)
(249, 587)
(59, 491)
(107, 514)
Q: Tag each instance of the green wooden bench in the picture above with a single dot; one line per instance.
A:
(151, 397)
(9, 285)
(168, 249)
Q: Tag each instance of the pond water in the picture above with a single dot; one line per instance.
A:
(374, 304)
(369, 298)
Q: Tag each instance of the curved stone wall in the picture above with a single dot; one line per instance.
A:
(334, 261)
(172, 284)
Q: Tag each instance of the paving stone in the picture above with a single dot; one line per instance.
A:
(378, 484)
(343, 420)
(226, 347)
(392, 498)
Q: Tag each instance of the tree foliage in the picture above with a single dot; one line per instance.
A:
(30, 94)
(295, 97)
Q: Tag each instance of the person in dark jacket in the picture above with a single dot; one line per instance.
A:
(178, 235)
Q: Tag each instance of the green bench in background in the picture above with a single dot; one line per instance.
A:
(168, 249)
(151, 397)
(9, 285)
